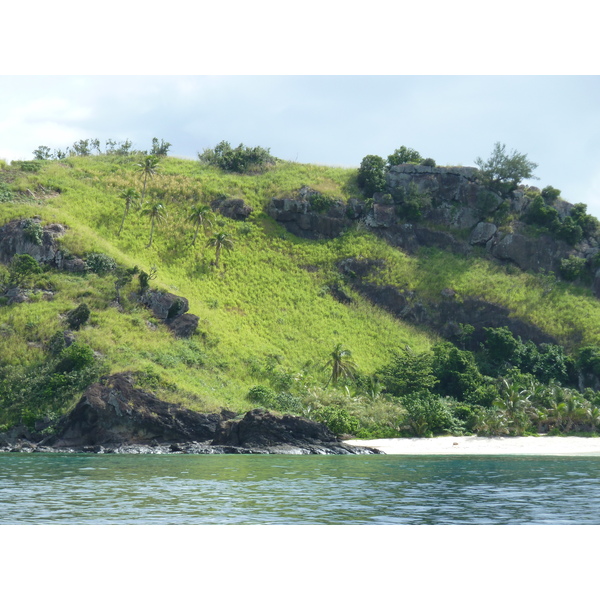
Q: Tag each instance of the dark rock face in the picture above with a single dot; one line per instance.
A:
(116, 412)
(183, 326)
(529, 254)
(232, 208)
(165, 305)
(298, 217)
(261, 429)
(172, 310)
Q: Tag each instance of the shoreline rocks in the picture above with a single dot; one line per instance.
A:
(115, 417)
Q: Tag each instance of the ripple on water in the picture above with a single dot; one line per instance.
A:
(231, 489)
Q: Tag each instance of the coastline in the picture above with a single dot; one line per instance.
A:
(542, 445)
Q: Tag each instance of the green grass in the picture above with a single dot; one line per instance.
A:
(268, 299)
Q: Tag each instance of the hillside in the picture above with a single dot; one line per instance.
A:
(322, 267)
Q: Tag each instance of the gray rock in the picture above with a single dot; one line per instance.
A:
(482, 234)
(232, 208)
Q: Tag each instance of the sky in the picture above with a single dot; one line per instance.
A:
(324, 119)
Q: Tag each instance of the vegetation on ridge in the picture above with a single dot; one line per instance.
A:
(270, 332)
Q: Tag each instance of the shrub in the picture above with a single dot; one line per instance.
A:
(572, 268)
(550, 194)
(337, 419)
(6, 194)
(99, 263)
(240, 160)
(428, 162)
(428, 414)
(160, 148)
(76, 357)
(22, 267)
(404, 155)
(321, 202)
(78, 316)
(33, 231)
(371, 176)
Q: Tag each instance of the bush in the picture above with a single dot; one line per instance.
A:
(371, 176)
(76, 357)
(34, 231)
(99, 263)
(337, 419)
(321, 202)
(22, 268)
(240, 160)
(428, 414)
(404, 155)
(78, 316)
(572, 268)
(6, 194)
(428, 162)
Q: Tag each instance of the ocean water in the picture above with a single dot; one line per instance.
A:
(320, 490)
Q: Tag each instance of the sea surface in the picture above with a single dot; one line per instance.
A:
(91, 489)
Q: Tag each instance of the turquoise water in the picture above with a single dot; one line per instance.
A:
(275, 489)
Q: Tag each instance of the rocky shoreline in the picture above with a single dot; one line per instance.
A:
(115, 417)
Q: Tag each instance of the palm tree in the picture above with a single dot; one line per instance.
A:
(129, 195)
(220, 241)
(199, 216)
(157, 212)
(341, 364)
(148, 168)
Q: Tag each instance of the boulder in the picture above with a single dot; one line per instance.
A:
(183, 326)
(263, 431)
(482, 234)
(232, 208)
(165, 305)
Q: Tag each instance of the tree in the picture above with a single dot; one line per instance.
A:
(160, 148)
(200, 217)
(42, 153)
(157, 212)
(341, 364)
(371, 176)
(22, 267)
(408, 372)
(504, 172)
(404, 155)
(128, 195)
(220, 241)
(148, 168)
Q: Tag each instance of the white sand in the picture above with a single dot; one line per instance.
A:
(469, 445)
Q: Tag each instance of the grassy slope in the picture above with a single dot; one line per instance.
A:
(263, 301)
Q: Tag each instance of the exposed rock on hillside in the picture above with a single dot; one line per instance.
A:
(16, 239)
(305, 217)
(172, 310)
(232, 208)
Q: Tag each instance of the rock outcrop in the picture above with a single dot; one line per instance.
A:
(15, 238)
(115, 411)
(232, 208)
(171, 309)
(280, 434)
(303, 216)
(116, 416)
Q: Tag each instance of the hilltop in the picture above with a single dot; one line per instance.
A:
(401, 307)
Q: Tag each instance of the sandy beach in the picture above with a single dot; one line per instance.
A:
(472, 445)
